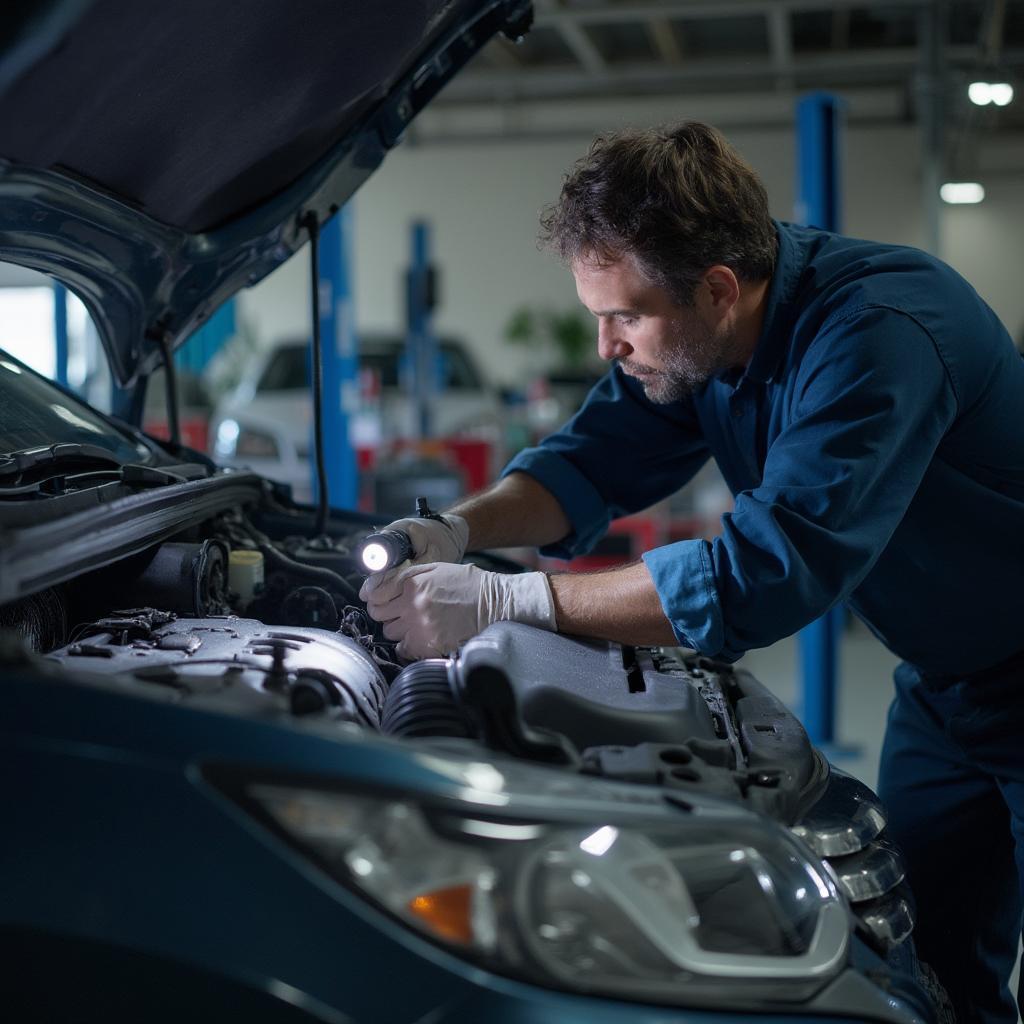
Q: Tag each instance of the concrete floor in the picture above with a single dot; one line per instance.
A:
(865, 691)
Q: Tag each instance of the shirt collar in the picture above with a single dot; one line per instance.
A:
(780, 308)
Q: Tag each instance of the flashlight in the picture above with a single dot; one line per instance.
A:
(384, 550)
(387, 548)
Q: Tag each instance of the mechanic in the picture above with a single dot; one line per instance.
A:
(863, 404)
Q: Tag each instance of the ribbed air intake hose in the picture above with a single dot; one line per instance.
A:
(423, 702)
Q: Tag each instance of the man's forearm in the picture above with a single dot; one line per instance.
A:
(618, 604)
(517, 511)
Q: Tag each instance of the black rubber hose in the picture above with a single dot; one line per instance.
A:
(326, 577)
(421, 702)
(171, 390)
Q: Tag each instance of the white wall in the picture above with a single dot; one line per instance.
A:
(484, 198)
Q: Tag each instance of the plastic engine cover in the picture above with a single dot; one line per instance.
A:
(243, 664)
(592, 693)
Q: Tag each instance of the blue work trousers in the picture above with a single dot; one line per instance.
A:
(952, 778)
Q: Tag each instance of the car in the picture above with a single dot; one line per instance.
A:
(266, 422)
(225, 798)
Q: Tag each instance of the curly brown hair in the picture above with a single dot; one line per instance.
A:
(679, 199)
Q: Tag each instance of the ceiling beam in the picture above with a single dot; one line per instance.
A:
(500, 53)
(582, 46)
(840, 29)
(993, 44)
(554, 14)
(863, 67)
(664, 40)
(560, 119)
(780, 40)
(693, 9)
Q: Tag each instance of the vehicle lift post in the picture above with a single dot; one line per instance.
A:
(819, 130)
(206, 341)
(421, 346)
(340, 358)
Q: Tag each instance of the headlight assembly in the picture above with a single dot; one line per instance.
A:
(722, 911)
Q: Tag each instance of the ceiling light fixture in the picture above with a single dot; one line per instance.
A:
(984, 93)
(962, 192)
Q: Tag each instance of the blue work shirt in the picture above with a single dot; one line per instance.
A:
(875, 447)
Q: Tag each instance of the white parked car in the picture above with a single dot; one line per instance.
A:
(265, 423)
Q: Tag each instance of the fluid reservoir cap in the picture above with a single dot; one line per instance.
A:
(245, 574)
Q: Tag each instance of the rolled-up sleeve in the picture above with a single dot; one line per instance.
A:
(619, 454)
(872, 402)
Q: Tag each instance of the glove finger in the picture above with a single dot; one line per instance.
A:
(372, 584)
(383, 613)
(395, 629)
(381, 586)
(393, 596)
(412, 648)
(403, 655)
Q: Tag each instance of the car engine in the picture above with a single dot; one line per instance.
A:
(177, 623)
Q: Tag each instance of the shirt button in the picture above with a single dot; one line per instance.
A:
(737, 412)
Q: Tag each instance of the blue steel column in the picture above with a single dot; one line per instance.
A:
(204, 343)
(421, 345)
(60, 333)
(340, 358)
(819, 124)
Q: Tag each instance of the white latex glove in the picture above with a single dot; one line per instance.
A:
(432, 609)
(435, 540)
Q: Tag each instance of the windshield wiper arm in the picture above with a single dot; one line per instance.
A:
(59, 468)
(17, 463)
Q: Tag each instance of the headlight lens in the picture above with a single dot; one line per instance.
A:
(696, 912)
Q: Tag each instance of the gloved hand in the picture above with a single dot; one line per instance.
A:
(432, 609)
(435, 540)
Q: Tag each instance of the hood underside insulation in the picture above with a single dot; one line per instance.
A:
(196, 112)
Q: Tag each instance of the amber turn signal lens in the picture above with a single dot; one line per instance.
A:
(447, 912)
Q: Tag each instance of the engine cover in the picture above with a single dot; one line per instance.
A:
(242, 662)
(596, 693)
(635, 714)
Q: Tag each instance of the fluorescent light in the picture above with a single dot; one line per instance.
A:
(984, 93)
(1001, 93)
(979, 93)
(962, 192)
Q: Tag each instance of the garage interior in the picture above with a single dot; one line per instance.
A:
(441, 243)
(478, 166)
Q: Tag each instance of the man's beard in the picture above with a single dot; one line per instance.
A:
(688, 363)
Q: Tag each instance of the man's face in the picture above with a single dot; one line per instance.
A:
(671, 349)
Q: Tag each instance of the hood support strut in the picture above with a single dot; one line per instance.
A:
(312, 225)
(171, 389)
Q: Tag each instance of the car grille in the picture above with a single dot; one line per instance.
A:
(846, 829)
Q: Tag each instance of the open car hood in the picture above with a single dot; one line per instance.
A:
(156, 158)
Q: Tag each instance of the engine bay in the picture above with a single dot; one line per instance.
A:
(243, 614)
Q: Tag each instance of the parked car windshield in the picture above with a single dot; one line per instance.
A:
(35, 413)
(288, 367)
